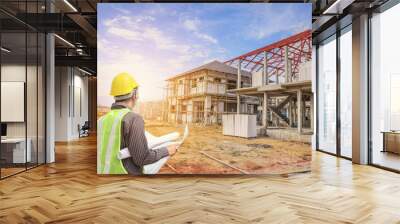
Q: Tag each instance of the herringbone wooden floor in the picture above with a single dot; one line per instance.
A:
(69, 191)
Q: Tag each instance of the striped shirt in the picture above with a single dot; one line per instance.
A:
(133, 138)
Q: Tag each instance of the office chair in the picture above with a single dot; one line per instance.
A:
(84, 130)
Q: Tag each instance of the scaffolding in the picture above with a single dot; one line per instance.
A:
(281, 79)
(200, 95)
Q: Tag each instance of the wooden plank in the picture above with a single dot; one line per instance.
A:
(225, 163)
(171, 167)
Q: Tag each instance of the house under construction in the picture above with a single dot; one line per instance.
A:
(201, 95)
(270, 88)
(281, 80)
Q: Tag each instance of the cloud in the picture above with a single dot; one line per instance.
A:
(206, 37)
(142, 30)
(194, 26)
(191, 24)
(125, 33)
(285, 20)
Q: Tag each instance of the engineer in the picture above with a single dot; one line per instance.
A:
(121, 128)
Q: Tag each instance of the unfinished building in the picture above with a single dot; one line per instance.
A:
(281, 80)
(150, 110)
(201, 95)
(270, 88)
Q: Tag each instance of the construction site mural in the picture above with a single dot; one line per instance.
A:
(204, 88)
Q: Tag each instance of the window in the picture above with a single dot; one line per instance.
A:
(232, 84)
(194, 83)
(385, 89)
(327, 95)
(346, 92)
(184, 108)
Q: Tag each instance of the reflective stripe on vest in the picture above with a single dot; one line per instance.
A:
(109, 142)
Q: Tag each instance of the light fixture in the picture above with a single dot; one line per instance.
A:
(70, 5)
(337, 7)
(84, 71)
(5, 50)
(64, 40)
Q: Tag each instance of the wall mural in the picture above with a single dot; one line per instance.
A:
(204, 88)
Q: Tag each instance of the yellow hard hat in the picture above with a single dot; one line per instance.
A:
(123, 84)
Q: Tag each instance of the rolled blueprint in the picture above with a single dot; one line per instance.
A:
(158, 142)
(153, 141)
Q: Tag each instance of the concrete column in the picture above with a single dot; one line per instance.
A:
(50, 97)
(286, 52)
(276, 117)
(238, 104)
(176, 110)
(238, 85)
(277, 77)
(207, 109)
(239, 75)
(303, 110)
(271, 117)
(265, 79)
(265, 109)
(50, 92)
(299, 111)
(360, 90)
(312, 111)
(290, 114)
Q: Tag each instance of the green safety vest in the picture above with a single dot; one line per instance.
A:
(109, 142)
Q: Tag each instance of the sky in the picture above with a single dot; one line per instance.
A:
(157, 41)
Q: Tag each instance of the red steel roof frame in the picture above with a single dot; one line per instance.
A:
(299, 47)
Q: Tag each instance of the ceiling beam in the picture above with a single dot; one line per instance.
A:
(81, 61)
(86, 26)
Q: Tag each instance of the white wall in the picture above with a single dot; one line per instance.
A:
(13, 73)
(33, 126)
(80, 83)
(62, 81)
(70, 83)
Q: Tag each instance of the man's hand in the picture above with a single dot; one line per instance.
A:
(172, 149)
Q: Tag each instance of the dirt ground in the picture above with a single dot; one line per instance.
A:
(207, 151)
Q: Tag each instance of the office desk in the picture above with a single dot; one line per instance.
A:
(391, 141)
(13, 150)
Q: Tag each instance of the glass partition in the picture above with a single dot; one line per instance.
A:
(327, 95)
(22, 66)
(13, 94)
